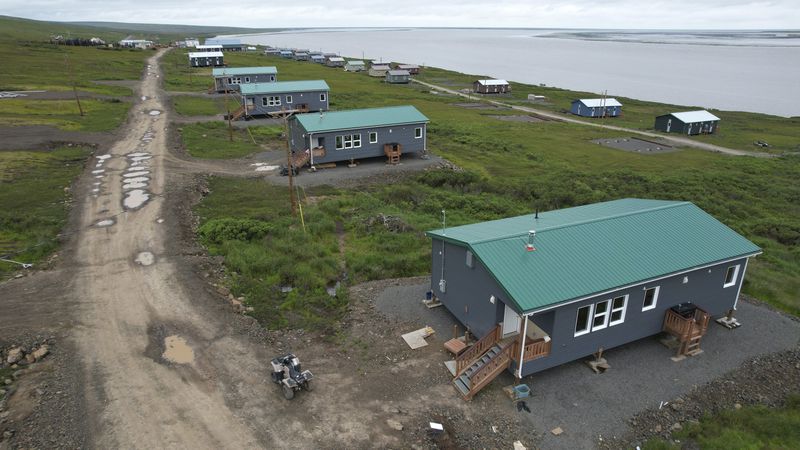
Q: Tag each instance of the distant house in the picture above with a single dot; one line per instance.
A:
(206, 59)
(191, 42)
(282, 97)
(549, 288)
(596, 107)
(689, 122)
(398, 76)
(228, 44)
(272, 52)
(334, 61)
(354, 66)
(379, 70)
(413, 69)
(301, 56)
(287, 54)
(491, 86)
(360, 133)
(208, 48)
(319, 59)
(230, 78)
(136, 43)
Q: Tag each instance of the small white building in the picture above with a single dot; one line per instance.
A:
(136, 43)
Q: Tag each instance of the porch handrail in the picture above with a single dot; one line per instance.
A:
(486, 373)
(537, 349)
(464, 360)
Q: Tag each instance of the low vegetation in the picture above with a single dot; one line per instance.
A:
(187, 105)
(34, 198)
(212, 140)
(98, 115)
(755, 427)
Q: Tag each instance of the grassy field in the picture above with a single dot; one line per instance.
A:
(512, 168)
(33, 206)
(99, 115)
(737, 129)
(212, 140)
(755, 427)
(187, 105)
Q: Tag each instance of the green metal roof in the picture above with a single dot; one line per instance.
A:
(590, 249)
(360, 118)
(280, 87)
(233, 71)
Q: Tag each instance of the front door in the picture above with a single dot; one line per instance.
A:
(510, 321)
(669, 125)
(320, 142)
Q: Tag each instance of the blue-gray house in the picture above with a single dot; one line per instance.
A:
(357, 134)
(553, 287)
(688, 122)
(596, 107)
(283, 97)
(230, 78)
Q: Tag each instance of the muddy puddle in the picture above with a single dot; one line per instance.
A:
(177, 351)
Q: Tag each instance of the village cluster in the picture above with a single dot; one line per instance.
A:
(661, 266)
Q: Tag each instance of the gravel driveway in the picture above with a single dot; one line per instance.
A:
(588, 406)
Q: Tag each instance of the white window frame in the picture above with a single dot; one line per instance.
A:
(735, 276)
(418, 133)
(288, 99)
(264, 101)
(323, 97)
(273, 100)
(588, 325)
(469, 261)
(373, 137)
(348, 141)
(340, 142)
(622, 309)
(246, 79)
(655, 298)
(604, 315)
(357, 140)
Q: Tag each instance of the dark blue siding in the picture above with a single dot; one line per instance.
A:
(312, 99)
(579, 109)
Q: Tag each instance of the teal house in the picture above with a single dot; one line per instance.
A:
(545, 289)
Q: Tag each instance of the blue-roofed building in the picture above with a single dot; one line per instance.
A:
(283, 97)
(359, 133)
(553, 287)
(230, 78)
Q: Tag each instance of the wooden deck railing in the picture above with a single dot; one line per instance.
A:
(466, 359)
(487, 373)
(685, 327)
(536, 350)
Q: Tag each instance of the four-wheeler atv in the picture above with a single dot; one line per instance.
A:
(286, 371)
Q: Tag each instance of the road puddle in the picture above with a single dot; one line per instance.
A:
(145, 259)
(176, 350)
(155, 112)
(104, 223)
(135, 198)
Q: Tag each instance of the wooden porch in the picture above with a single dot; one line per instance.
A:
(300, 159)
(688, 324)
(481, 363)
(393, 152)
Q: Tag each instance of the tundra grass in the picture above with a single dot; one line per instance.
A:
(212, 140)
(34, 201)
(187, 105)
(99, 115)
(754, 427)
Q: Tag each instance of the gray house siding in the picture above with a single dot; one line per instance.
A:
(206, 61)
(579, 109)
(222, 82)
(468, 290)
(400, 134)
(311, 98)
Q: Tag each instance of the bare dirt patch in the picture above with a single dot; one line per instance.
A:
(45, 137)
(478, 106)
(637, 145)
(519, 118)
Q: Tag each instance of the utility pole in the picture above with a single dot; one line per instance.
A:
(228, 109)
(72, 78)
(292, 197)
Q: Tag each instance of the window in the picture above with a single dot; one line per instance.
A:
(263, 101)
(582, 322)
(417, 133)
(618, 306)
(271, 101)
(373, 137)
(230, 81)
(246, 79)
(288, 99)
(650, 298)
(730, 276)
(322, 97)
(600, 319)
(469, 259)
(348, 141)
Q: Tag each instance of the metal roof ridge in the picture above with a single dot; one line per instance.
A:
(580, 222)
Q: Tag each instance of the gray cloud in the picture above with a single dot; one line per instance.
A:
(636, 14)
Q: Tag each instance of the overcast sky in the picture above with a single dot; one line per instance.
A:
(634, 14)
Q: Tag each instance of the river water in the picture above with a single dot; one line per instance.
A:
(740, 71)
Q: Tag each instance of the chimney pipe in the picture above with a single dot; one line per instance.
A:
(536, 216)
(529, 246)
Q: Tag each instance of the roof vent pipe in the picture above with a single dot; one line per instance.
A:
(529, 245)
(536, 216)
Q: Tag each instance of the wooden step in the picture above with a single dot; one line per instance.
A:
(462, 388)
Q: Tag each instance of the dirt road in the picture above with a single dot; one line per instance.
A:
(673, 140)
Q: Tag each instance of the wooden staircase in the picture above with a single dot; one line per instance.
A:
(239, 113)
(482, 363)
(300, 159)
(688, 329)
(393, 152)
